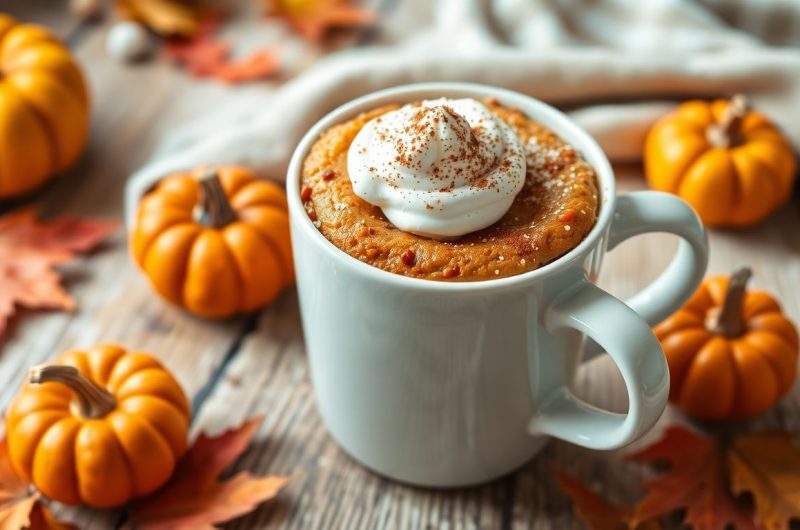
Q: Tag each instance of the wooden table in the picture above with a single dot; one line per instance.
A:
(257, 365)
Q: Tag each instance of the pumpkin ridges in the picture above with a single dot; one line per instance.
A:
(22, 36)
(212, 286)
(138, 437)
(163, 415)
(673, 162)
(711, 185)
(781, 162)
(54, 471)
(268, 222)
(776, 323)
(153, 382)
(753, 399)
(753, 187)
(710, 374)
(180, 190)
(679, 349)
(101, 472)
(233, 179)
(101, 360)
(55, 62)
(23, 135)
(61, 114)
(130, 364)
(28, 402)
(259, 193)
(256, 261)
(168, 275)
(22, 448)
(150, 227)
(758, 302)
(778, 353)
(681, 320)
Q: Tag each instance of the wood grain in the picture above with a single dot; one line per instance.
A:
(241, 367)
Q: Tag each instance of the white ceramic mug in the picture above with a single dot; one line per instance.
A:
(456, 383)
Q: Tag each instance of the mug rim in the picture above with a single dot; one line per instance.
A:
(533, 108)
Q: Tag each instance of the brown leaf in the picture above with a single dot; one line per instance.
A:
(20, 506)
(695, 481)
(313, 18)
(165, 17)
(594, 511)
(29, 252)
(768, 466)
(195, 497)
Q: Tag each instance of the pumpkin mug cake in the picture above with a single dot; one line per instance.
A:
(449, 189)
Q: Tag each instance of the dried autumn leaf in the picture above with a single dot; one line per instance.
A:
(313, 18)
(594, 511)
(258, 65)
(768, 466)
(165, 17)
(696, 482)
(205, 56)
(19, 503)
(29, 251)
(195, 497)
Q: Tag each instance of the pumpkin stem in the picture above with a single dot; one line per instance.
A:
(95, 401)
(729, 320)
(214, 209)
(726, 133)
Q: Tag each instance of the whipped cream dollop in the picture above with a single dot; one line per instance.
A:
(441, 169)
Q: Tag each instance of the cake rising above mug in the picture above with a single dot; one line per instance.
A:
(440, 169)
(456, 189)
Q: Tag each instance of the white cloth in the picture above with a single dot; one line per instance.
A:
(614, 65)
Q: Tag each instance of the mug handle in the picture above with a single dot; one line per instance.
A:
(636, 352)
(655, 211)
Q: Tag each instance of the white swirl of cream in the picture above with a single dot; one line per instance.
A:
(440, 169)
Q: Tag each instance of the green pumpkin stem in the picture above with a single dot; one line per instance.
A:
(727, 132)
(214, 210)
(729, 320)
(94, 400)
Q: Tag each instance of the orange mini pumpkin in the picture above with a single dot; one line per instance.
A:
(44, 107)
(731, 352)
(731, 164)
(215, 241)
(99, 427)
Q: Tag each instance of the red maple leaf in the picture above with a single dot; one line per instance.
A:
(696, 482)
(203, 55)
(195, 497)
(29, 253)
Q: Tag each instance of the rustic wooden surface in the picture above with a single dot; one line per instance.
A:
(257, 365)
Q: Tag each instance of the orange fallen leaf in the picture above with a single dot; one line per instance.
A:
(205, 56)
(696, 482)
(768, 466)
(595, 512)
(313, 18)
(20, 505)
(258, 65)
(29, 252)
(165, 17)
(195, 497)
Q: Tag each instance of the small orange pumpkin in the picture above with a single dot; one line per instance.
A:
(99, 427)
(731, 164)
(215, 241)
(44, 107)
(731, 353)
